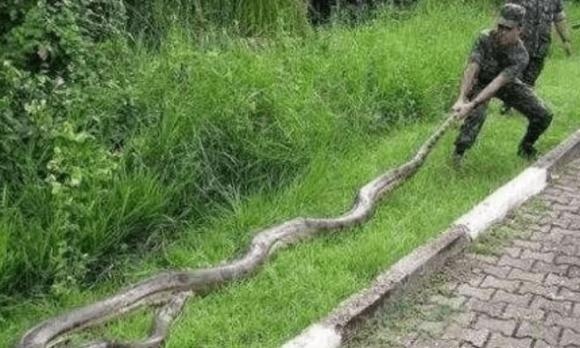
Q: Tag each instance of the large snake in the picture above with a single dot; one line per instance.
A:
(170, 290)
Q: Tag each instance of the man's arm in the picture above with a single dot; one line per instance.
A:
(561, 27)
(519, 59)
(562, 30)
(463, 108)
(469, 76)
(491, 89)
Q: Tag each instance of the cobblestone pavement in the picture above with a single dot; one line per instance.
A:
(518, 287)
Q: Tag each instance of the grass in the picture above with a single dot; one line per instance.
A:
(303, 283)
(242, 16)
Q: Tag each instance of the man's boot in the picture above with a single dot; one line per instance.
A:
(527, 151)
(457, 158)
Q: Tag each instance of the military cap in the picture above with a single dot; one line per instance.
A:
(512, 15)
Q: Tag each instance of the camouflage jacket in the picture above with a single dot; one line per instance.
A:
(494, 59)
(540, 14)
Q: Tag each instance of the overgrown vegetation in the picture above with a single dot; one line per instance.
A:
(62, 111)
(153, 19)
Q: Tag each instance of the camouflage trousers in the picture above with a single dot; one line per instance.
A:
(522, 98)
(533, 70)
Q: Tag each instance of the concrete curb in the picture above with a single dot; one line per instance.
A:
(342, 322)
(494, 208)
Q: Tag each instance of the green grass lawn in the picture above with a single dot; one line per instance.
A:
(303, 283)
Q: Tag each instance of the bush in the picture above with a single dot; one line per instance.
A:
(56, 149)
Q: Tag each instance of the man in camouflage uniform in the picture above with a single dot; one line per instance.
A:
(537, 35)
(537, 30)
(497, 59)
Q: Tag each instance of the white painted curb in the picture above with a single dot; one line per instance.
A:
(316, 336)
(495, 207)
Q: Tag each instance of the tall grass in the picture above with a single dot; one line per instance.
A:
(246, 17)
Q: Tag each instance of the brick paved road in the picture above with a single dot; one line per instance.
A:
(519, 287)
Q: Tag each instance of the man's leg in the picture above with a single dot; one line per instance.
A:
(533, 70)
(469, 130)
(521, 97)
(529, 77)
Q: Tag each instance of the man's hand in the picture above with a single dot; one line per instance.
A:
(457, 105)
(461, 109)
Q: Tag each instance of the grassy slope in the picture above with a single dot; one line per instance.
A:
(305, 282)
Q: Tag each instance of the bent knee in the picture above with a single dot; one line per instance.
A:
(548, 115)
(543, 117)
